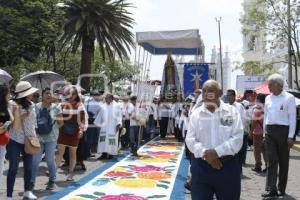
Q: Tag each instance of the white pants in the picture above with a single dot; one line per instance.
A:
(2, 157)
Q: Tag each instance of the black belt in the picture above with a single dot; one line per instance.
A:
(222, 159)
(277, 125)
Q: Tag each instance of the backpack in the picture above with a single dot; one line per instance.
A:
(44, 122)
(70, 127)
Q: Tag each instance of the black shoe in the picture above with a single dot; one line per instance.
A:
(124, 148)
(135, 154)
(65, 165)
(281, 194)
(256, 169)
(80, 167)
(270, 194)
(187, 185)
(109, 157)
(50, 186)
(102, 157)
(83, 167)
(264, 170)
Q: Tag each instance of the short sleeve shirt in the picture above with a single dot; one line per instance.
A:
(258, 116)
(54, 110)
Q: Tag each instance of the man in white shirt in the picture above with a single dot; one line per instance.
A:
(279, 124)
(135, 127)
(109, 119)
(126, 122)
(215, 136)
(93, 108)
(231, 97)
(165, 110)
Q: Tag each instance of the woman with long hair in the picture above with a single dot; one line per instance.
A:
(26, 118)
(6, 121)
(72, 130)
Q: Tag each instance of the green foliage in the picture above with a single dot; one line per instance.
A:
(255, 68)
(118, 70)
(40, 35)
(106, 21)
(27, 28)
(256, 17)
(67, 64)
(271, 17)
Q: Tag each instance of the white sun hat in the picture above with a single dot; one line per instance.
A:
(24, 89)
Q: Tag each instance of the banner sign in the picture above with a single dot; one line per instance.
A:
(248, 82)
(194, 76)
(146, 92)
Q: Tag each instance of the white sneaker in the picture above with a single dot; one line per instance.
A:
(9, 198)
(29, 195)
(70, 177)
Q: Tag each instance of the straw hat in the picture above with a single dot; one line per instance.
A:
(24, 89)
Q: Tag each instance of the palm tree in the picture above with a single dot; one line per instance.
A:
(106, 21)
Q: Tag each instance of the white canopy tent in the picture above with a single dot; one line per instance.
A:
(183, 42)
(179, 42)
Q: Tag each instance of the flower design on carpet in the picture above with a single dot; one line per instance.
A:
(103, 196)
(118, 174)
(147, 168)
(155, 175)
(150, 176)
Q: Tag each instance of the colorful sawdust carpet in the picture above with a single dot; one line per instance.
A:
(150, 176)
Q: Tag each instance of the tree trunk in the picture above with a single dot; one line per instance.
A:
(110, 85)
(87, 54)
(54, 59)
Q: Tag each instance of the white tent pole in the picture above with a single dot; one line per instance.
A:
(135, 51)
(148, 67)
(145, 67)
(134, 64)
(138, 68)
(141, 74)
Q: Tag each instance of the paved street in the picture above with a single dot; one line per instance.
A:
(252, 183)
(42, 179)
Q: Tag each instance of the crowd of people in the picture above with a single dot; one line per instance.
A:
(221, 130)
(217, 129)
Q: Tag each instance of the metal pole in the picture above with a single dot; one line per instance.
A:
(148, 70)
(289, 45)
(138, 68)
(220, 41)
(145, 68)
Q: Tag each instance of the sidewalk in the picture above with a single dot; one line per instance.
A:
(253, 184)
(42, 179)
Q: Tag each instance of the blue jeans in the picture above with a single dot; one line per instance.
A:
(207, 181)
(2, 158)
(92, 135)
(133, 135)
(14, 150)
(49, 149)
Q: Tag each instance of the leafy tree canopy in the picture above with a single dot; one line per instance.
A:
(26, 29)
(255, 68)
